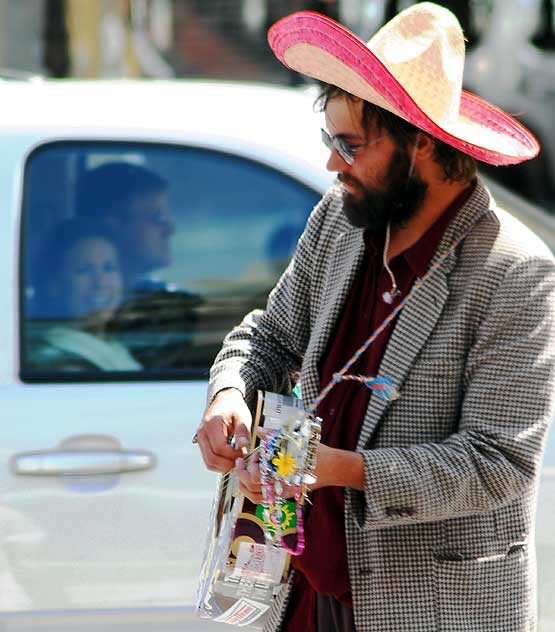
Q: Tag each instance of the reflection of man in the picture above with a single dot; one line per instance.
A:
(422, 516)
(157, 319)
(133, 202)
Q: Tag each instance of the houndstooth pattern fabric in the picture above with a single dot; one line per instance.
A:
(441, 538)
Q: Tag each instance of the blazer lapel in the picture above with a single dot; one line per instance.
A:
(413, 327)
(420, 315)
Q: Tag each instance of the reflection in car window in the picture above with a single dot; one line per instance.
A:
(137, 258)
(78, 288)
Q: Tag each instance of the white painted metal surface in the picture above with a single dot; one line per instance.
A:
(121, 550)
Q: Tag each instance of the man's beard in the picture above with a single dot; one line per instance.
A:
(397, 203)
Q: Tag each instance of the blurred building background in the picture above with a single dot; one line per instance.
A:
(510, 50)
(146, 38)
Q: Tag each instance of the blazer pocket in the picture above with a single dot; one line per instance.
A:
(440, 360)
(431, 395)
(483, 592)
(439, 369)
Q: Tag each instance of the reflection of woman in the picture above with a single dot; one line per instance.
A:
(78, 289)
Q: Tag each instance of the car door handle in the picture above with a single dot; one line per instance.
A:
(81, 462)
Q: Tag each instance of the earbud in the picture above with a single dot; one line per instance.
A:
(390, 296)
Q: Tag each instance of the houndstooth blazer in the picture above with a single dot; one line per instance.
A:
(441, 538)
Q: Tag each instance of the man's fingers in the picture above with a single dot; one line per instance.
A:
(242, 437)
(254, 470)
(254, 496)
(263, 433)
(226, 417)
(248, 474)
(256, 499)
(215, 463)
(217, 453)
(249, 480)
(215, 432)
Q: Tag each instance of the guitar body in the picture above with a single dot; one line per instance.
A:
(242, 572)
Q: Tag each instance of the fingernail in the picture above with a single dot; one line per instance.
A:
(242, 442)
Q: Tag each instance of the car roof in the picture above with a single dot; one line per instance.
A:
(277, 125)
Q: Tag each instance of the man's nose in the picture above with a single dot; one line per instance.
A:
(335, 162)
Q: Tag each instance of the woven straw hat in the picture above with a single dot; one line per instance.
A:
(413, 67)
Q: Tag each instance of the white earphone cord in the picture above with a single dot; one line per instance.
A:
(389, 296)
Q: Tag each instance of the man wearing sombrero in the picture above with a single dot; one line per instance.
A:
(422, 517)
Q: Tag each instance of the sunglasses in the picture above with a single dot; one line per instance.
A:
(344, 149)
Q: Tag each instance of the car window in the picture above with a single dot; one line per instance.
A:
(138, 258)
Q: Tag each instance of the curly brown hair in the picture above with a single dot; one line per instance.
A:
(457, 166)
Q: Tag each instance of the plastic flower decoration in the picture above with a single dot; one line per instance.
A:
(285, 464)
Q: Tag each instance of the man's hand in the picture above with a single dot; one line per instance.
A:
(226, 417)
(333, 467)
(248, 472)
(338, 468)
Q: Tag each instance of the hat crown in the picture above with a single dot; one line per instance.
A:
(423, 48)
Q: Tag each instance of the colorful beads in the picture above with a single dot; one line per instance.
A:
(287, 457)
(382, 386)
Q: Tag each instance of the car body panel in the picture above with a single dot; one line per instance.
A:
(83, 552)
(122, 551)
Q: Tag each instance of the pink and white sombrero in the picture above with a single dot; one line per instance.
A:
(413, 67)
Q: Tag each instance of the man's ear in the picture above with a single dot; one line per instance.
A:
(424, 145)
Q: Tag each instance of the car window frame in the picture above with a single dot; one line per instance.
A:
(37, 376)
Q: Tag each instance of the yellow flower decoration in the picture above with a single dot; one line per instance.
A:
(284, 463)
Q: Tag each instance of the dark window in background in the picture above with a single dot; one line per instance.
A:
(544, 37)
(56, 55)
(236, 223)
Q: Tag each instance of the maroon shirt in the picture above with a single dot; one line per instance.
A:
(323, 567)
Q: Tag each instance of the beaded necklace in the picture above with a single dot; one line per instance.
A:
(287, 457)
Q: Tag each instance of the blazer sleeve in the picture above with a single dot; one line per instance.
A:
(496, 452)
(265, 350)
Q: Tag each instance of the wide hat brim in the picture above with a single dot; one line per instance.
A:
(319, 47)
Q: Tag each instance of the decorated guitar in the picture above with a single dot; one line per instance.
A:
(249, 546)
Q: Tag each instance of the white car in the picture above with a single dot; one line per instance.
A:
(104, 499)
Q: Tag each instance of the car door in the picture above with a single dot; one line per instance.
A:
(104, 499)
